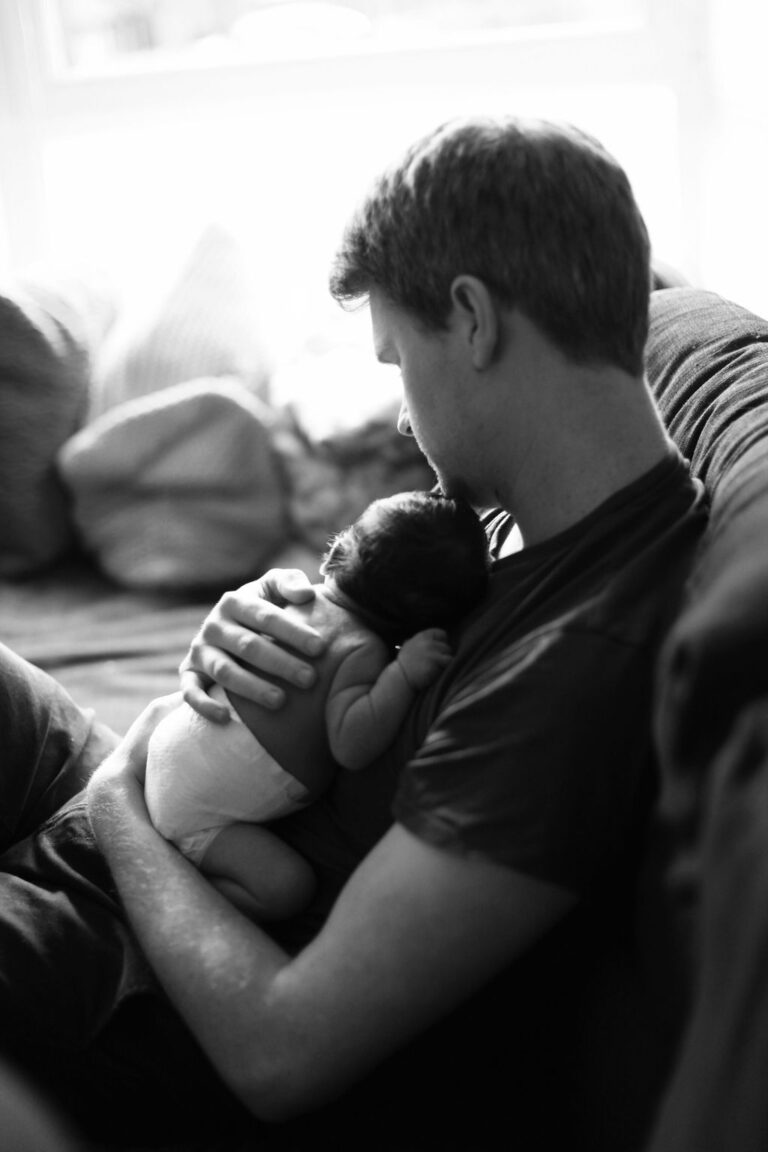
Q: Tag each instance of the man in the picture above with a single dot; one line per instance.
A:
(481, 872)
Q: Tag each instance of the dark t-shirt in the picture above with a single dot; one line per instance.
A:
(534, 747)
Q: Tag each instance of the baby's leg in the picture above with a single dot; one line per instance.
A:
(258, 872)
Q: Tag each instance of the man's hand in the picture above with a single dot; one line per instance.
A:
(126, 767)
(240, 630)
(423, 656)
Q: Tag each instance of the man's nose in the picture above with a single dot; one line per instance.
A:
(404, 422)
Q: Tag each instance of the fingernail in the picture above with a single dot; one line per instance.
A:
(274, 698)
(306, 677)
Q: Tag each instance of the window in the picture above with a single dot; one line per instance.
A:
(128, 126)
(102, 34)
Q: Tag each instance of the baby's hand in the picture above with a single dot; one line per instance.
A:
(423, 656)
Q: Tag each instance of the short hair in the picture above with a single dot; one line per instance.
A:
(539, 211)
(411, 561)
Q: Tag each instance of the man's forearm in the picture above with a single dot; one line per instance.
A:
(216, 966)
(289, 1034)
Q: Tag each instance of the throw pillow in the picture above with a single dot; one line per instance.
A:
(44, 382)
(181, 489)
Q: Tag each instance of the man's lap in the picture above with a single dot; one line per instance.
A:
(80, 1013)
(49, 748)
(67, 956)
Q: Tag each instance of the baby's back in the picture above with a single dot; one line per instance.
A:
(296, 734)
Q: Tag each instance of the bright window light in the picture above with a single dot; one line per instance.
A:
(99, 34)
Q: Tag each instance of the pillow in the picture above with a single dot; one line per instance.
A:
(181, 489)
(44, 382)
(201, 322)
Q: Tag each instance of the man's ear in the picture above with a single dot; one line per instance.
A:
(477, 312)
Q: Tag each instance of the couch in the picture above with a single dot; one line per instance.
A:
(93, 593)
(707, 362)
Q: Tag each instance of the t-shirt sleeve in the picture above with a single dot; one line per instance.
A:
(538, 761)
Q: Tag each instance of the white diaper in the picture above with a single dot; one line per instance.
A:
(203, 776)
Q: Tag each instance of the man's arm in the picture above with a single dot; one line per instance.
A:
(371, 694)
(415, 932)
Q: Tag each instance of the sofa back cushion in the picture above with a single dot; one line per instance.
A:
(707, 363)
(44, 380)
(181, 489)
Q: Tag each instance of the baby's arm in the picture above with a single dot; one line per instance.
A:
(370, 695)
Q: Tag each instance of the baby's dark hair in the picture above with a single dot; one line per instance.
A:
(411, 561)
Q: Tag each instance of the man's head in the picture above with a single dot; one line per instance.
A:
(539, 212)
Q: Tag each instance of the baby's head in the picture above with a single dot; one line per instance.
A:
(411, 561)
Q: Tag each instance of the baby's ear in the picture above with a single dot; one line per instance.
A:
(334, 556)
(326, 560)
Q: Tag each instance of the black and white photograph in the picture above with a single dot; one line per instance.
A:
(383, 576)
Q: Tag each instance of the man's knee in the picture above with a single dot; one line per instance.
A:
(48, 746)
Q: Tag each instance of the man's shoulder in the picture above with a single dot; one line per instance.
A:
(615, 573)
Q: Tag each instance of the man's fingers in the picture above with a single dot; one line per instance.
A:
(257, 651)
(259, 617)
(233, 678)
(280, 585)
(194, 689)
(247, 642)
(292, 584)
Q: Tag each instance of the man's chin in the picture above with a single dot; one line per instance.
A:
(453, 487)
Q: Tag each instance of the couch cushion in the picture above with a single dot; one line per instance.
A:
(707, 363)
(180, 489)
(44, 381)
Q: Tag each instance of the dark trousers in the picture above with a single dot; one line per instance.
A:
(80, 1014)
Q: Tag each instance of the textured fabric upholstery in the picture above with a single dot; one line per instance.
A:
(179, 489)
(707, 363)
(44, 380)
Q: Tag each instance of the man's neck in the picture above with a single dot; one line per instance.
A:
(591, 434)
